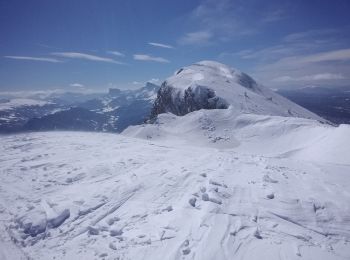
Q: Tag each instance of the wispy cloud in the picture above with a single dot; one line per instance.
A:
(320, 56)
(196, 38)
(311, 35)
(274, 16)
(294, 44)
(301, 61)
(321, 66)
(84, 56)
(270, 53)
(154, 80)
(77, 85)
(307, 78)
(146, 57)
(161, 45)
(137, 83)
(29, 58)
(228, 20)
(116, 53)
(336, 55)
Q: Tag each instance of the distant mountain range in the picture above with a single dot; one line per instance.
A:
(116, 110)
(330, 103)
(111, 112)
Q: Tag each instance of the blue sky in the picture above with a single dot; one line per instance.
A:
(94, 44)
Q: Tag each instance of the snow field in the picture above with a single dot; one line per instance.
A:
(130, 198)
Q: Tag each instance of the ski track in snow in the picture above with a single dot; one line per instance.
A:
(130, 198)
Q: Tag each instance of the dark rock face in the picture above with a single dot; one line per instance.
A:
(172, 100)
(114, 92)
(247, 82)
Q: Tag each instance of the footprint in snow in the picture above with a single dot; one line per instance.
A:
(257, 234)
(192, 202)
(115, 232)
(270, 196)
(111, 221)
(212, 182)
(267, 178)
(169, 208)
(205, 197)
(185, 245)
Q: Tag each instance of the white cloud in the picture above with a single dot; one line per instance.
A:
(315, 77)
(301, 59)
(310, 35)
(33, 58)
(77, 85)
(84, 56)
(161, 45)
(116, 53)
(272, 52)
(283, 79)
(146, 57)
(324, 76)
(306, 62)
(274, 16)
(228, 20)
(137, 83)
(154, 81)
(292, 45)
(337, 55)
(196, 38)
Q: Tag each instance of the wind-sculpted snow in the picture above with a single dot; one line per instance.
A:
(215, 195)
(258, 134)
(212, 85)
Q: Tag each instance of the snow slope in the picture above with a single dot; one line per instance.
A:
(72, 195)
(209, 84)
(257, 134)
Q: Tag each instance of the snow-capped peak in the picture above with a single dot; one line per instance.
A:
(210, 84)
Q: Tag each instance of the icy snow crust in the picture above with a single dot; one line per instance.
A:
(209, 185)
(214, 85)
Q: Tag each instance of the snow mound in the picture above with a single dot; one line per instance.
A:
(257, 134)
(210, 85)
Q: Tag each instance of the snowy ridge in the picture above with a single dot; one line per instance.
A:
(209, 84)
(255, 134)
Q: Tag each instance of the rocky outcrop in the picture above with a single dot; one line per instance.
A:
(191, 99)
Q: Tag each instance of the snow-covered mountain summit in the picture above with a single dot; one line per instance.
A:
(212, 85)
